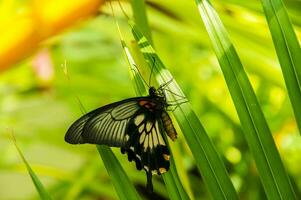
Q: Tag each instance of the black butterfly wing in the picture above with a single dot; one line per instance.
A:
(146, 144)
(105, 125)
(136, 125)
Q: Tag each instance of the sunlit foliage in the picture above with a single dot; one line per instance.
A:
(39, 102)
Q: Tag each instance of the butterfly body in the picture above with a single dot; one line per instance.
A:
(136, 125)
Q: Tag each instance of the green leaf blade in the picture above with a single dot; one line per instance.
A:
(44, 195)
(258, 135)
(208, 161)
(288, 51)
(174, 187)
(171, 179)
(121, 182)
(140, 17)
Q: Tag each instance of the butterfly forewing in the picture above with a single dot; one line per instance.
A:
(74, 133)
(105, 125)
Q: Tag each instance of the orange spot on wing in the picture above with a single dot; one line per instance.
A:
(166, 157)
(142, 102)
(147, 104)
(162, 170)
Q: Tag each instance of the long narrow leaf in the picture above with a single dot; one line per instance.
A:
(87, 175)
(121, 182)
(174, 186)
(140, 17)
(171, 179)
(258, 135)
(207, 159)
(44, 195)
(288, 51)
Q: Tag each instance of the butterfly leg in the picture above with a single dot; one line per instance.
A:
(165, 84)
(173, 106)
(138, 71)
(176, 102)
(168, 90)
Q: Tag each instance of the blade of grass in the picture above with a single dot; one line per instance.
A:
(288, 51)
(179, 163)
(207, 159)
(138, 84)
(87, 175)
(122, 184)
(140, 17)
(172, 181)
(258, 135)
(44, 195)
(120, 180)
(174, 187)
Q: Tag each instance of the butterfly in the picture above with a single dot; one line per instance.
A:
(136, 125)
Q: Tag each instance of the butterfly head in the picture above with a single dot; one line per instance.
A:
(153, 92)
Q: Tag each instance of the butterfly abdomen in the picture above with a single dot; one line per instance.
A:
(168, 126)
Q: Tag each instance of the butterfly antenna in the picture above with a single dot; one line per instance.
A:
(136, 69)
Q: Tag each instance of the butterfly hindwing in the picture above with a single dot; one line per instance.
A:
(146, 144)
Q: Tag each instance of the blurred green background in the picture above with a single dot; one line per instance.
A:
(38, 102)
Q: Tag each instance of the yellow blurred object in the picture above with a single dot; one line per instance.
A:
(21, 33)
(233, 155)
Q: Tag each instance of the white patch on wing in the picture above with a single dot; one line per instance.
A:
(150, 144)
(139, 119)
(142, 137)
(160, 138)
(127, 137)
(141, 128)
(154, 172)
(148, 126)
(155, 138)
(161, 141)
(145, 144)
